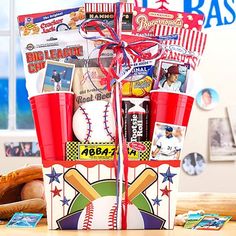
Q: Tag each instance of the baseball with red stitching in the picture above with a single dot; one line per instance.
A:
(102, 214)
(94, 122)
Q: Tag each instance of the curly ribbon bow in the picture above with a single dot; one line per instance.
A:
(142, 48)
(126, 48)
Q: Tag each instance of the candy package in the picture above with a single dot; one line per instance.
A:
(139, 81)
(105, 12)
(146, 19)
(46, 22)
(57, 46)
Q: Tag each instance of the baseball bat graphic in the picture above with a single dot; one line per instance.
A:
(74, 178)
(143, 181)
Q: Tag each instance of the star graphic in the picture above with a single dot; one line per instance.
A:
(166, 191)
(156, 201)
(54, 176)
(168, 176)
(65, 201)
(56, 192)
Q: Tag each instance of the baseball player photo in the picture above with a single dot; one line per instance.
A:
(58, 76)
(167, 142)
(171, 77)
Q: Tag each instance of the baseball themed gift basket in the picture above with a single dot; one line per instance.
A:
(109, 89)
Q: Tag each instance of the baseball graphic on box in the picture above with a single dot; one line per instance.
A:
(94, 122)
(91, 217)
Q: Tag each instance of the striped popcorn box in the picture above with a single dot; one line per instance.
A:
(188, 48)
(146, 19)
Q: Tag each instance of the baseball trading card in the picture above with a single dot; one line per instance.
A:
(195, 216)
(58, 76)
(191, 223)
(232, 119)
(169, 76)
(221, 141)
(212, 222)
(167, 142)
(24, 220)
(22, 149)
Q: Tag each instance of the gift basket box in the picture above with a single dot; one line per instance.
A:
(82, 194)
(111, 106)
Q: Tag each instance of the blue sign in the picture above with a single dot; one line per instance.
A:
(219, 12)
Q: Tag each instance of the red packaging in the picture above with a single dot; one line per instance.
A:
(52, 113)
(146, 19)
(170, 108)
(189, 47)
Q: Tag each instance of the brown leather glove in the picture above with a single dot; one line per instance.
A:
(10, 192)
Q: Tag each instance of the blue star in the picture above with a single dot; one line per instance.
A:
(54, 176)
(168, 176)
(156, 201)
(65, 201)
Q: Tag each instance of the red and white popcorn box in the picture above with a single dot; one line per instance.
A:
(82, 194)
(146, 19)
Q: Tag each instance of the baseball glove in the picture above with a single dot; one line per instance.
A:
(11, 190)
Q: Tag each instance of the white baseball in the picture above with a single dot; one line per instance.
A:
(94, 122)
(102, 214)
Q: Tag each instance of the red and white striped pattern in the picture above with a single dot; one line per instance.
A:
(191, 40)
(106, 7)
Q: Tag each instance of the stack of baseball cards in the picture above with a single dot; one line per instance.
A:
(206, 222)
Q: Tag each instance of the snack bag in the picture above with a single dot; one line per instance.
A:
(181, 57)
(139, 82)
(46, 22)
(89, 81)
(67, 47)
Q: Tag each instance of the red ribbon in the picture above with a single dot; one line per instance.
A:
(125, 48)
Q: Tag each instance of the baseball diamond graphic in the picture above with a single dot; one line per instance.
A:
(94, 198)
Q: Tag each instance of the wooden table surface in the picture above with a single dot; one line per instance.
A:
(41, 230)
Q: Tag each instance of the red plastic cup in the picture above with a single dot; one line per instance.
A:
(169, 108)
(52, 114)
